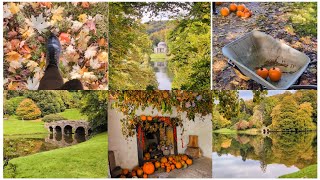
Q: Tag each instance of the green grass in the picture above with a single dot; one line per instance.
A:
(158, 57)
(232, 131)
(73, 114)
(13, 126)
(307, 172)
(85, 160)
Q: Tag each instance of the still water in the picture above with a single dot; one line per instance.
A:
(257, 156)
(23, 145)
(163, 78)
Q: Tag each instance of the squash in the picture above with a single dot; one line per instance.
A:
(241, 7)
(125, 171)
(172, 167)
(224, 11)
(143, 117)
(133, 173)
(184, 157)
(178, 165)
(170, 158)
(157, 164)
(247, 15)
(163, 160)
(189, 162)
(139, 172)
(149, 118)
(148, 168)
(263, 72)
(233, 7)
(240, 13)
(246, 10)
(147, 155)
(275, 74)
(145, 176)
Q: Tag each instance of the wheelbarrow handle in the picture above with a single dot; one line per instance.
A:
(297, 87)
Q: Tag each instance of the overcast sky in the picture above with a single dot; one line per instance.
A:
(247, 95)
(163, 15)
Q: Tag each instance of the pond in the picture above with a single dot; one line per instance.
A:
(258, 156)
(23, 145)
(162, 75)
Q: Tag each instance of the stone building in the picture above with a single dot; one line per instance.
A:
(161, 48)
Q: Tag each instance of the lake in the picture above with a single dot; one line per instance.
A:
(23, 145)
(259, 156)
(162, 75)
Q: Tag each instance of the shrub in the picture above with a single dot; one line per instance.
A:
(52, 117)
(11, 105)
(28, 110)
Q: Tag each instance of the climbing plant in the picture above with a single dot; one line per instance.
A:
(128, 102)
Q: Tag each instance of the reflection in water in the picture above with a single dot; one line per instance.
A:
(262, 156)
(163, 78)
(24, 145)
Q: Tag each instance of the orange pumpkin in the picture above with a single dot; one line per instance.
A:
(246, 10)
(241, 7)
(133, 173)
(163, 160)
(172, 167)
(145, 176)
(184, 157)
(157, 164)
(275, 74)
(247, 15)
(125, 171)
(240, 13)
(147, 155)
(183, 162)
(224, 11)
(263, 72)
(189, 162)
(148, 168)
(178, 165)
(168, 169)
(233, 7)
(143, 118)
(139, 172)
(149, 118)
(170, 158)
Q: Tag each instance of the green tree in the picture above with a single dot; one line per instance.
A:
(259, 95)
(11, 105)
(95, 105)
(228, 103)
(219, 121)
(28, 110)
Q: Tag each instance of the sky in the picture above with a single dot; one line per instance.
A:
(247, 95)
(163, 16)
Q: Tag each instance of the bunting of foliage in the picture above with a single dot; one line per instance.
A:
(128, 102)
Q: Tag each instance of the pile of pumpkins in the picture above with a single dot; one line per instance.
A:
(241, 10)
(166, 163)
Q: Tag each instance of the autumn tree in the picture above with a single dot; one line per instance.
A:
(304, 117)
(28, 110)
(219, 121)
(228, 103)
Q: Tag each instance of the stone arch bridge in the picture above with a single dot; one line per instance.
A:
(69, 127)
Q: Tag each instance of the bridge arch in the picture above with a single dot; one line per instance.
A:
(80, 130)
(67, 129)
(58, 129)
(51, 129)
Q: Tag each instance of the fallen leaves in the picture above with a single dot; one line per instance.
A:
(84, 45)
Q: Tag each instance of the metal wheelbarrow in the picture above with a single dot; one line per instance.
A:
(257, 49)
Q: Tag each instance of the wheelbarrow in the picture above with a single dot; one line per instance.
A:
(257, 49)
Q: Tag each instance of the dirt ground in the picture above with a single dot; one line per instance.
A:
(201, 168)
(271, 18)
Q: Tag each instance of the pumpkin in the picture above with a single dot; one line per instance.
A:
(157, 164)
(241, 7)
(240, 13)
(246, 10)
(125, 171)
(224, 11)
(139, 172)
(178, 165)
(275, 74)
(170, 158)
(133, 173)
(218, 3)
(233, 7)
(145, 176)
(263, 72)
(184, 157)
(183, 162)
(168, 169)
(189, 162)
(163, 160)
(143, 118)
(172, 167)
(148, 168)
(162, 165)
(149, 118)
(247, 15)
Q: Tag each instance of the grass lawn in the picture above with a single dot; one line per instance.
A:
(73, 114)
(307, 172)
(13, 126)
(232, 131)
(158, 57)
(85, 160)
